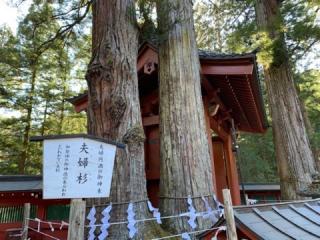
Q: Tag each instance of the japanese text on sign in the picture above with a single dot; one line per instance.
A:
(77, 168)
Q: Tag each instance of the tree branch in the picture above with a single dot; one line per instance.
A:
(64, 30)
(307, 49)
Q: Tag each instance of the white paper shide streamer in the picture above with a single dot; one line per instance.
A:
(39, 222)
(155, 211)
(105, 222)
(210, 214)
(219, 206)
(51, 227)
(131, 221)
(191, 214)
(185, 236)
(92, 220)
(222, 228)
(252, 201)
(63, 223)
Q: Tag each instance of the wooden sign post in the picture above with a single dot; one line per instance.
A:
(77, 219)
(25, 224)
(228, 214)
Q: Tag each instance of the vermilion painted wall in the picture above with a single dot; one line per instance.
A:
(34, 198)
(223, 162)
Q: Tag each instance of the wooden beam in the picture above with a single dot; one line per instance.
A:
(218, 129)
(213, 96)
(227, 117)
(149, 121)
(213, 110)
(212, 92)
(209, 69)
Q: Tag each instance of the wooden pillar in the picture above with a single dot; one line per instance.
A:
(76, 219)
(220, 166)
(25, 224)
(208, 128)
(41, 211)
(232, 172)
(228, 214)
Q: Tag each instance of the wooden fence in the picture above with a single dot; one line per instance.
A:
(12, 214)
(11, 218)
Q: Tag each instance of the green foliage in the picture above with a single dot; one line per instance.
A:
(56, 42)
(215, 20)
(297, 24)
(37, 76)
(257, 158)
(309, 88)
(235, 24)
(302, 28)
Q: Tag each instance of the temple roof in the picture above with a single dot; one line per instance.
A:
(281, 221)
(206, 54)
(228, 80)
(16, 183)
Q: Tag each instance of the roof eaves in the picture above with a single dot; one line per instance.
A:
(209, 55)
(77, 98)
(263, 109)
(14, 178)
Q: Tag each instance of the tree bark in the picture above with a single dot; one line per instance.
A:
(293, 153)
(185, 157)
(65, 71)
(45, 113)
(310, 130)
(114, 110)
(62, 107)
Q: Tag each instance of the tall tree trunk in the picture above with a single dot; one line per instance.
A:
(27, 129)
(64, 68)
(218, 18)
(185, 158)
(114, 110)
(293, 153)
(63, 102)
(45, 113)
(310, 130)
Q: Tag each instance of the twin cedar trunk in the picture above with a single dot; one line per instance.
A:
(184, 150)
(293, 153)
(114, 110)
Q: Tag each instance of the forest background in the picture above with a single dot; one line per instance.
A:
(43, 63)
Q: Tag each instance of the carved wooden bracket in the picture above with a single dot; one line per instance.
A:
(213, 109)
(149, 67)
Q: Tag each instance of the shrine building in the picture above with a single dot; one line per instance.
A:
(232, 101)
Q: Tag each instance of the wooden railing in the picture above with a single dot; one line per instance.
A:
(11, 214)
(11, 218)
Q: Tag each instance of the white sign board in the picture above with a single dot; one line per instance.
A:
(77, 168)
